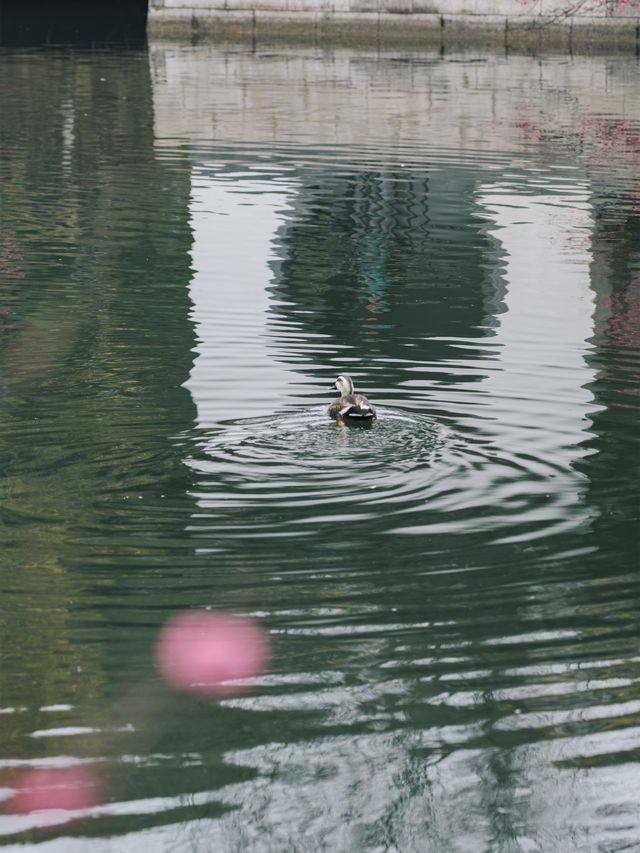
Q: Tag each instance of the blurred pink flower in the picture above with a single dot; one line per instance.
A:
(201, 652)
(61, 788)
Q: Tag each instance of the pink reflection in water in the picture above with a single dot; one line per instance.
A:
(201, 652)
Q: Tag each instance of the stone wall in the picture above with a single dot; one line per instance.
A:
(504, 23)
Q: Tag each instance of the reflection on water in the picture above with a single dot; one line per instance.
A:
(537, 396)
(229, 293)
(190, 255)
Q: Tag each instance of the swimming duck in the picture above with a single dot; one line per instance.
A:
(350, 407)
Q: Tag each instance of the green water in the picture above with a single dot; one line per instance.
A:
(194, 242)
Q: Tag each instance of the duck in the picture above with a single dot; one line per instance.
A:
(350, 407)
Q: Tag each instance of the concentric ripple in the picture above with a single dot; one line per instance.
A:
(407, 471)
(306, 460)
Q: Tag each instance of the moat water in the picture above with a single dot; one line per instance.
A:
(194, 242)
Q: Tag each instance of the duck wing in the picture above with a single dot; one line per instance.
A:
(362, 408)
(352, 407)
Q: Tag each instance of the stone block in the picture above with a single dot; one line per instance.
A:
(193, 7)
(166, 24)
(399, 7)
(348, 29)
(486, 30)
(307, 6)
(255, 5)
(556, 8)
(411, 30)
(291, 27)
(364, 5)
(425, 7)
(535, 34)
(223, 26)
(508, 8)
(457, 7)
(594, 33)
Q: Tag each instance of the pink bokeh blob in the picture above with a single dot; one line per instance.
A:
(200, 652)
(60, 788)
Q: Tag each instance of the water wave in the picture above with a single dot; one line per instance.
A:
(407, 471)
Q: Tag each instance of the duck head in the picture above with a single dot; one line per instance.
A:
(343, 385)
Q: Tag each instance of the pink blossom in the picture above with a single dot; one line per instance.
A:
(201, 652)
(61, 788)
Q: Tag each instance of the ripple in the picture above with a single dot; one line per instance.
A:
(405, 465)
(306, 460)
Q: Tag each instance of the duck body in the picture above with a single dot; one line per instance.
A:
(350, 407)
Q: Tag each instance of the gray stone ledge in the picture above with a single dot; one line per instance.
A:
(487, 30)
(532, 34)
(348, 29)
(298, 27)
(328, 22)
(618, 33)
(412, 31)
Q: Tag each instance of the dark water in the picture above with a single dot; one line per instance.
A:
(194, 243)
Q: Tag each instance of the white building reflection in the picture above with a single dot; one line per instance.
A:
(234, 221)
(536, 396)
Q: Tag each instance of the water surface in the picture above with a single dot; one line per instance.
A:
(195, 241)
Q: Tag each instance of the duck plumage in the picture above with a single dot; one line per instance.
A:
(350, 407)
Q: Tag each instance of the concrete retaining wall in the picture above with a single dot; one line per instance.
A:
(506, 23)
